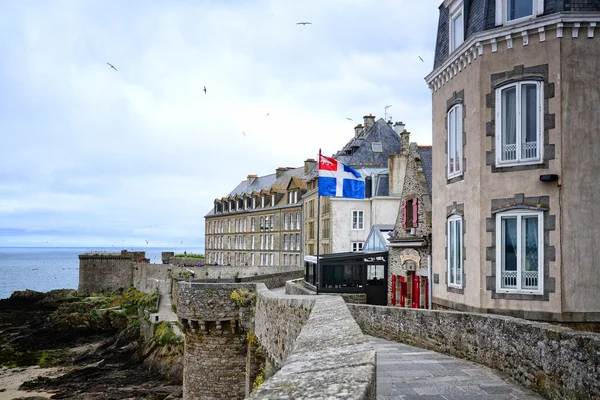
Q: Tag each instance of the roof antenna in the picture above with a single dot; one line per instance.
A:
(385, 118)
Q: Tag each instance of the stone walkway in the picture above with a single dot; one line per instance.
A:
(411, 373)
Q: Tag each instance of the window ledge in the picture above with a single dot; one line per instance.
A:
(455, 286)
(454, 175)
(507, 291)
(517, 164)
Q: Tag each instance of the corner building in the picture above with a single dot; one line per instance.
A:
(515, 158)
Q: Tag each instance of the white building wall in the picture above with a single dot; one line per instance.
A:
(378, 210)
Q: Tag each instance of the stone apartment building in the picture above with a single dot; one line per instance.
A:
(515, 166)
(259, 223)
(374, 152)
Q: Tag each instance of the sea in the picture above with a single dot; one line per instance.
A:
(47, 268)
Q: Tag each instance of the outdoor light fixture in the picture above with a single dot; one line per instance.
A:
(549, 178)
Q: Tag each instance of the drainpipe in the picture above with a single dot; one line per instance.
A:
(429, 280)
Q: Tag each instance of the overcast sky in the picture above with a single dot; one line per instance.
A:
(97, 157)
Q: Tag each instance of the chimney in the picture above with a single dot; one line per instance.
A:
(279, 171)
(399, 127)
(251, 178)
(404, 142)
(369, 121)
(309, 164)
(358, 129)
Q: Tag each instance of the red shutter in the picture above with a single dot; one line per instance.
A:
(415, 221)
(404, 221)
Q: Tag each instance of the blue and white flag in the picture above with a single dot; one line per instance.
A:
(336, 179)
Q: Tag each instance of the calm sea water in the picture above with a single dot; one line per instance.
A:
(47, 268)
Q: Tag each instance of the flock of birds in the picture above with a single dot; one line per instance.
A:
(303, 23)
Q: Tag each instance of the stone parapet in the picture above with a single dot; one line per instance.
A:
(557, 362)
(330, 357)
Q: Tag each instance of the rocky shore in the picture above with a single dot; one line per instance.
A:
(61, 345)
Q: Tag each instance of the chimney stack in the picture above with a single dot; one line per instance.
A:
(309, 164)
(251, 178)
(399, 127)
(369, 121)
(358, 129)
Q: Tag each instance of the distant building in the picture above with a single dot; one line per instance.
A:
(259, 223)
(515, 158)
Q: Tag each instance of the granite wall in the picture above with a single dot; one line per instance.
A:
(557, 362)
(216, 348)
(330, 357)
(104, 272)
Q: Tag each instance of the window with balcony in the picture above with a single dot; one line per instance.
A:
(519, 252)
(455, 141)
(455, 243)
(519, 117)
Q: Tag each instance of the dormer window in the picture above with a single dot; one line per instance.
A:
(376, 147)
(508, 11)
(517, 9)
(272, 200)
(253, 202)
(457, 27)
(262, 201)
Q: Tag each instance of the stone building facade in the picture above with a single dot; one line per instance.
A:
(410, 245)
(259, 223)
(515, 158)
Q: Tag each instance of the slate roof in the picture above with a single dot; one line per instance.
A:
(480, 15)
(426, 162)
(360, 149)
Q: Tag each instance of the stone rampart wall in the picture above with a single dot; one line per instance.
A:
(557, 362)
(98, 273)
(329, 358)
(223, 272)
(149, 277)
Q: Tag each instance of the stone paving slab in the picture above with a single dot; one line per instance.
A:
(410, 373)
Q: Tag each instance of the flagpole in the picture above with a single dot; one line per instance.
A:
(318, 226)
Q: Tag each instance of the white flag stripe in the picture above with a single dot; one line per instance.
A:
(338, 174)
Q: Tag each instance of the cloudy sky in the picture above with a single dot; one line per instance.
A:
(97, 157)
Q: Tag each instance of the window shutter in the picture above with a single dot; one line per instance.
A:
(499, 9)
(404, 221)
(415, 221)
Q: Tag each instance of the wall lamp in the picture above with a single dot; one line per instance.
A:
(549, 178)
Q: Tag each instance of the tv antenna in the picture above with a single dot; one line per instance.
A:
(386, 116)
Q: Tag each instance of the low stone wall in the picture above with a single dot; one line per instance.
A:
(329, 358)
(223, 272)
(557, 362)
(274, 280)
(296, 287)
(149, 277)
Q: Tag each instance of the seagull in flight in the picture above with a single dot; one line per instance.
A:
(244, 133)
(421, 59)
(303, 23)
(204, 89)
(112, 66)
(146, 242)
(349, 119)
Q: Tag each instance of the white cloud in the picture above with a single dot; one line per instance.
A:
(105, 154)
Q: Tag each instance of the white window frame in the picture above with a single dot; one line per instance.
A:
(519, 214)
(359, 216)
(539, 123)
(286, 221)
(297, 220)
(502, 12)
(454, 137)
(356, 246)
(455, 10)
(253, 202)
(457, 282)
(262, 201)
